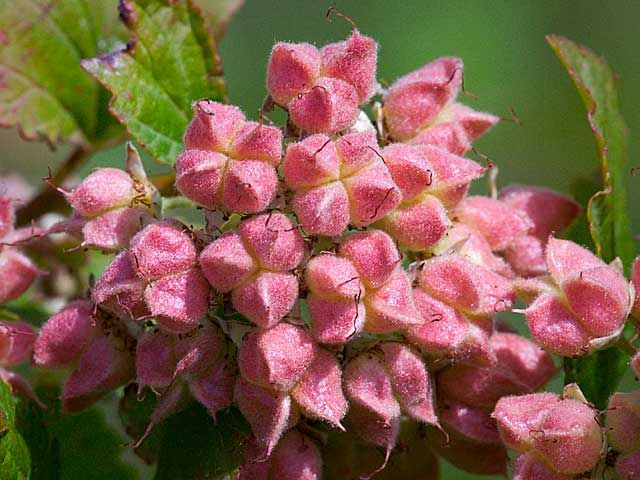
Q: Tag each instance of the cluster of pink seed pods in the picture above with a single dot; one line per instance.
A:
(365, 302)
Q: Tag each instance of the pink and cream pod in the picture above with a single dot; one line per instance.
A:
(420, 108)
(228, 162)
(338, 183)
(284, 374)
(581, 306)
(323, 89)
(255, 264)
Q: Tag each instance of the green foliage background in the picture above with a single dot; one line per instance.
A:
(507, 64)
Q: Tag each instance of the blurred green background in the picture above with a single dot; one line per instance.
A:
(507, 64)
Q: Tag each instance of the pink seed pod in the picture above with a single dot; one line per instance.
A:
(269, 414)
(527, 467)
(419, 169)
(319, 391)
(372, 194)
(198, 350)
(410, 169)
(323, 210)
(529, 364)
(472, 245)
(410, 380)
(120, 290)
(374, 412)
(374, 256)
(357, 150)
(330, 106)
(113, 230)
(566, 259)
(471, 424)
(336, 321)
(527, 256)
(635, 279)
(102, 367)
(311, 162)
(64, 336)
(16, 342)
(391, 307)
(274, 241)
(276, 358)
(258, 142)
(103, 190)
(17, 272)
(591, 301)
(353, 61)
(226, 263)
(571, 438)
(418, 226)
(600, 297)
(213, 127)
(446, 333)
(292, 68)
(472, 457)
(178, 301)
(415, 100)
(112, 201)
(249, 186)
(623, 422)
(266, 298)
(555, 328)
(161, 249)
(564, 433)
(456, 128)
(338, 182)
(472, 289)
(228, 161)
(297, 457)
(155, 360)
(452, 174)
(478, 387)
(628, 466)
(549, 212)
(199, 176)
(214, 388)
(498, 222)
(519, 418)
(332, 277)
(254, 263)
(522, 367)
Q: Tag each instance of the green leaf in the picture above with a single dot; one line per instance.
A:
(607, 212)
(14, 454)
(43, 90)
(170, 62)
(196, 447)
(90, 448)
(582, 189)
(43, 448)
(600, 373)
